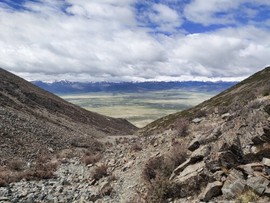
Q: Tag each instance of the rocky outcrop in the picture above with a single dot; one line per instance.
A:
(211, 190)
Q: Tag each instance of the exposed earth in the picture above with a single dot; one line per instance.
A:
(218, 151)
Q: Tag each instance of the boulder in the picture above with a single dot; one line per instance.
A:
(266, 162)
(195, 144)
(267, 109)
(200, 153)
(191, 180)
(225, 115)
(197, 120)
(249, 169)
(231, 153)
(180, 168)
(267, 192)
(218, 175)
(265, 137)
(211, 190)
(213, 165)
(190, 171)
(258, 184)
(234, 184)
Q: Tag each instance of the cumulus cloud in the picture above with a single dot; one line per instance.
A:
(113, 40)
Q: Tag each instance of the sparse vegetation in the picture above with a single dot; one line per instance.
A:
(136, 147)
(247, 196)
(100, 172)
(157, 171)
(16, 165)
(89, 158)
(181, 127)
(200, 113)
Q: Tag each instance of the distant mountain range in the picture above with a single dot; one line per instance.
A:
(80, 87)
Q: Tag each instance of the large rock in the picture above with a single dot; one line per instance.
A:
(258, 184)
(180, 168)
(265, 137)
(266, 162)
(200, 153)
(231, 153)
(261, 150)
(196, 156)
(191, 180)
(249, 169)
(234, 184)
(212, 190)
(194, 144)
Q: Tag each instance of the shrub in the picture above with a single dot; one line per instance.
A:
(152, 167)
(181, 126)
(3, 182)
(100, 172)
(136, 147)
(157, 171)
(200, 113)
(40, 171)
(247, 196)
(160, 190)
(177, 154)
(90, 159)
(16, 165)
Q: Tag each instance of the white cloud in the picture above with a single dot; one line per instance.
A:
(166, 18)
(102, 40)
(205, 12)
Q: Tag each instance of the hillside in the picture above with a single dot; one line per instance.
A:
(217, 151)
(257, 85)
(34, 120)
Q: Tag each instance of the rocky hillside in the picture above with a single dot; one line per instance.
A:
(257, 85)
(34, 121)
(217, 151)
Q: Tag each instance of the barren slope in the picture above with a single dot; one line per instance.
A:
(34, 120)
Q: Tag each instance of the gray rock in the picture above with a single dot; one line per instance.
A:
(258, 184)
(197, 120)
(191, 171)
(266, 162)
(225, 115)
(263, 138)
(200, 153)
(180, 168)
(191, 180)
(234, 184)
(195, 144)
(267, 192)
(249, 169)
(218, 175)
(211, 190)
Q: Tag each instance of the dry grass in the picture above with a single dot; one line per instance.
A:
(100, 172)
(16, 165)
(90, 158)
(157, 171)
(40, 170)
(181, 126)
(247, 196)
(136, 147)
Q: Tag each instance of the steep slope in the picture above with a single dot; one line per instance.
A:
(33, 120)
(226, 145)
(239, 95)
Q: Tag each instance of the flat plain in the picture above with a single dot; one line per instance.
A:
(139, 108)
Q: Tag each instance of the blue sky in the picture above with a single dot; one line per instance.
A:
(132, 40)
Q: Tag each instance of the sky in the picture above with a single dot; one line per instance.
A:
(134, 40)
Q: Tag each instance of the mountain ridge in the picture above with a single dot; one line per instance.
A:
(85, 87)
